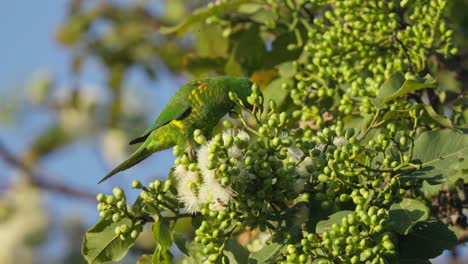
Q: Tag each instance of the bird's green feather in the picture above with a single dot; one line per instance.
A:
(177, 108)
(197, 105)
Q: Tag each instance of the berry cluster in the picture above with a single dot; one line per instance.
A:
(361, 237)
(115, 207)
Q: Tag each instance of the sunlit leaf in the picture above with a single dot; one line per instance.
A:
(286, 69)
(181, 242)
(273, 91)
(407, 213)
(232, 67)
(429, 115)
(442, 154)
(265, 254)
(200, 15)
(101, 244)
(335, 218)
(210, 42)
(163, 237)
(396, 86)
(235, 252)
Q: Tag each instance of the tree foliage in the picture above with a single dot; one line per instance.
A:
(351, 160)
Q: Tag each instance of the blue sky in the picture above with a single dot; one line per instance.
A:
(27, 46)
(27, 29)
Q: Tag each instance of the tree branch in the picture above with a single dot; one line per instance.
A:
(37, 179)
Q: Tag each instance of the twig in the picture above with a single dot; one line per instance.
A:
(41, 181)
(405, 51)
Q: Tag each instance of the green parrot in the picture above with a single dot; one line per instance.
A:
(197, 105)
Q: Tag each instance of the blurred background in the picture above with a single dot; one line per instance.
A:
(78, 80)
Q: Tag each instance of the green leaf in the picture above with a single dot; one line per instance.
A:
(235, 252)
(263, 16)
(279, 52)
(199, 65)
(101, 244)
(273, 91)
(407, 213)
(250, 8)
(265, 254)
(325, 225)
(200, 15)
(397, 86)
(429, 115)
(286, 69)
(248, 49)
(442, 154)
(232, 68)
(295, 217)
(389, 87)
(181, 242)
(210, 42)
(162, 236)
(353, 121)
(426, 240)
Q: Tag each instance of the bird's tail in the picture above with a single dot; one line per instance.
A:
(140, 154)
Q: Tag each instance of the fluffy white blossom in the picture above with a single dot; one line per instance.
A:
(296, 155)
(183, 175)
(186, 188)
(217, 196)
(196, 188)
(243, 135)
(203, 162)
(302, 167)
(320, 147)
(190, 200)
(234, 152)
(340, 141)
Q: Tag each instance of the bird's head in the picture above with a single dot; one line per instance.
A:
(244, 89)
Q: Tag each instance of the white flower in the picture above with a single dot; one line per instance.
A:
(234, 152)
(320, 147)
(227, 133)
(243, 135)
(190, 201)
(296, 153)
(203, 161)
(340, 141)
(183, 175)
(296, 156)
(210, 191)
(217, 196)
(186, 188)
(302, 167)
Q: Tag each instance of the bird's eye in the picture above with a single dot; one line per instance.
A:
(250, 107)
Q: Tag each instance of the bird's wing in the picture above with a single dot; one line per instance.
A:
(176, 109)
